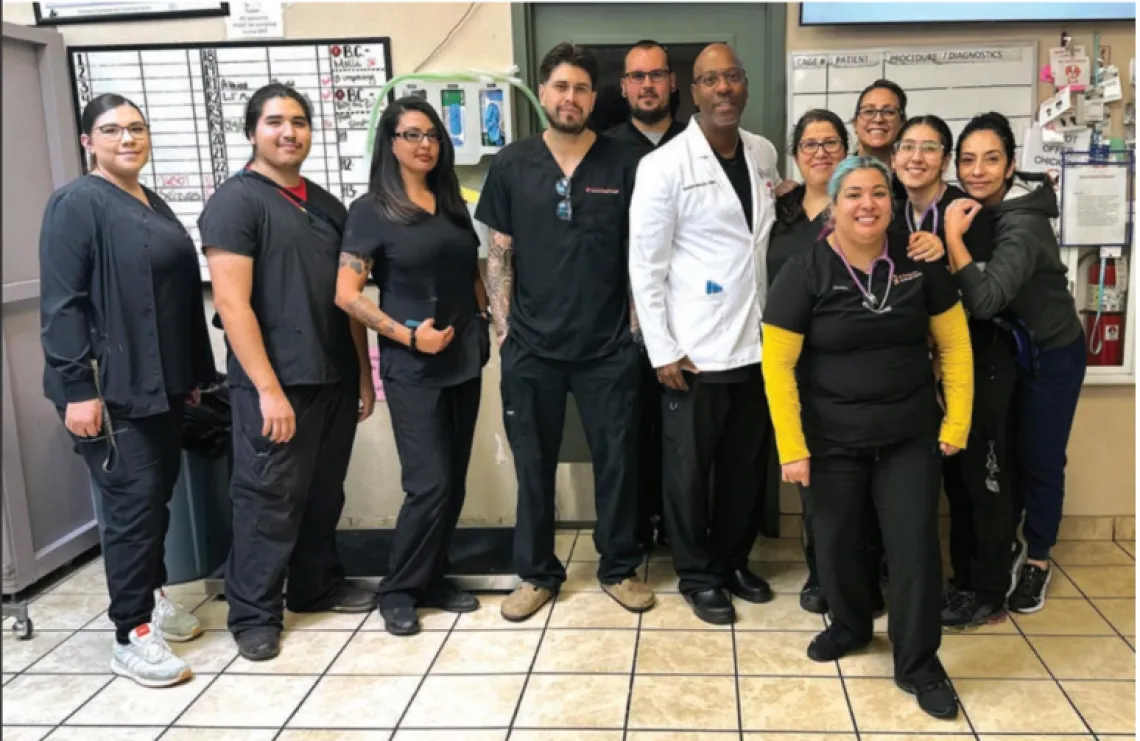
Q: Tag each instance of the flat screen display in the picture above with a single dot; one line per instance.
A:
(843, 13)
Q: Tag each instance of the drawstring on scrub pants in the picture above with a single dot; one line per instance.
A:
(112, 446)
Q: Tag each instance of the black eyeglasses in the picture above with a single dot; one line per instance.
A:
(733, 76)
(868, 113)
(565, 210)
(415, 136)
(811, 146)
(656, 75)
(138, 130)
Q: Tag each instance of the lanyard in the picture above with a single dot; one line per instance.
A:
(932, 207)
(871, 303)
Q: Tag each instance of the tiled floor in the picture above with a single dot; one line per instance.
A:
(586, 670)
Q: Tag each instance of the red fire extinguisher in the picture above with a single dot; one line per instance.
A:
(1104, 312)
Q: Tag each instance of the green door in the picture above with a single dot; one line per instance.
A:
(755, 30)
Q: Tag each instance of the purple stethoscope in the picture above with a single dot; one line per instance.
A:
(910, 225)
(870, 302)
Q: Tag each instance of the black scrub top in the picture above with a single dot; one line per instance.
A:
(120, 284)
(865, 379)
(570, 294)
(635, 141)
(791, 238)
(979, 238)
(425, 269)
(296, 253)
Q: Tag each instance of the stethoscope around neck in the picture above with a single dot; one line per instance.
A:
(870, 302)
(932, 208)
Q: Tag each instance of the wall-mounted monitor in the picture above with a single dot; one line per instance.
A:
(843, 13)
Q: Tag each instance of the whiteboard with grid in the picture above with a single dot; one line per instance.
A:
(954, 83)
(194, 97)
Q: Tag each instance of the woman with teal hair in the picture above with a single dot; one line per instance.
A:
(858, 424)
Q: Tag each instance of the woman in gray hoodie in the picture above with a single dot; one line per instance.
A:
(1025, 279)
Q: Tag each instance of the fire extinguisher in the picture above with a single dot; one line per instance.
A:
(1104, 311)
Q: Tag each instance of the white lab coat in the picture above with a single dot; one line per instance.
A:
(687, 230)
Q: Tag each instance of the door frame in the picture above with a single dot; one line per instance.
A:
(772, 76)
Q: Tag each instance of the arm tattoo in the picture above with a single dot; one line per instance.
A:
(500, 276)
(367, 313)
(359, 264)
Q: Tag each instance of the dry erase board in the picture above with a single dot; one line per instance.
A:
(955, 83)
(194, 98)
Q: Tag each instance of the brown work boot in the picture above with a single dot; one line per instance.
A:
(631, 593)
(526, 600)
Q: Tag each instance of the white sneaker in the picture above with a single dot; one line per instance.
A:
(174, 623)
(148, 660)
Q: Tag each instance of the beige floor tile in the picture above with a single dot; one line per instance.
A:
(430, 618)
(323, 620)
(1086, 658)
(690, 703)
(1108, 707)
(586, 651)
(356, 702)
(593, 610)
(83, 653)
(1085, 528)
(1089, 553)
(47, 700)
(441, 735)
(1120, 612)
(1052, 737)
(102, 623)
(67, 611)
(124, 703)
(302, 652)
(799, 704)
(777, 550)
(917, 737)
(1062, 587)
(548, 735)
(672, 613)
(881, 706)
(788, 578)
(91, 579)
(342, 734)
(1103, 581)
(25, 733)
(382, 653)
(584, 550)
(998, 706)
(212, 615)
(465, 702)
(775, 653)
(489, 616)
(104, 733)
(581, 576)
(684, 652)
(210, 653)
(564, 545)
(237, 701)
(17, 655)
(574, 701)
(1129, 546)
(1124, 527)
(488, 652)
(782, 613)
(810, 737)
(876, 660)
(1064, 617)
(226, 734)
(662, 577)
(990, 657)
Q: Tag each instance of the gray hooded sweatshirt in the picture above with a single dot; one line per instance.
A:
(1025, 273)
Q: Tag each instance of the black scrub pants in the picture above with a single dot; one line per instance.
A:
(434, 430)
(718, 429)
(134, 482)
(649, 446)
(901, 483)
(534, 409)
(287, 500)
(978, 481)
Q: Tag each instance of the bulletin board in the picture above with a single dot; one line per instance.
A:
(955, 83)
(194, 97)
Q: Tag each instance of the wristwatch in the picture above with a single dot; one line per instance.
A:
(412, 343)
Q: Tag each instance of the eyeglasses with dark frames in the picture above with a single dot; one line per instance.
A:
(869, 113)
(811, 146)
(115, 131)
(655, 75)
(415, 136)
(733, 76)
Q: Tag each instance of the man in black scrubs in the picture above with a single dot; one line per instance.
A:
(557, 206)
(648, 84)
(698, 276)
(297, 371)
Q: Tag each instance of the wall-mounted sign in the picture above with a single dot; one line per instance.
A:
(63, 13)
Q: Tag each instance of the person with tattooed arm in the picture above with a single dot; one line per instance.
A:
(413, 233)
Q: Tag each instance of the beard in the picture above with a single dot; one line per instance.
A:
(651, 116)
(566, 128)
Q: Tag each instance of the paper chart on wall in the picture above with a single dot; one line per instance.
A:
(194, 97)
(954, 83)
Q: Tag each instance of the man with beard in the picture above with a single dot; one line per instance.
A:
(648, 84)
(700, 218)
(557, 206)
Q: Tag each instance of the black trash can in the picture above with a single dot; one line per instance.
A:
(201, 531)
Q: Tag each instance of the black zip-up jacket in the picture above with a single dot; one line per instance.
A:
(97, 300)
(1025, 273)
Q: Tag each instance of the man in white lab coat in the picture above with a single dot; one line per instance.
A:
(700, 217)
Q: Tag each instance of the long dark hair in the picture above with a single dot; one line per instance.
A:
(883, 84)
(256, 106)
(790, 206)
(387, 185)
(96, 108)
(998, 124)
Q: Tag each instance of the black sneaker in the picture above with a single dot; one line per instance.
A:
(833, 644)
(968, 610)
(447, 596)
(811, 597)
(1029, 595)
(937, 698)
(259, 644)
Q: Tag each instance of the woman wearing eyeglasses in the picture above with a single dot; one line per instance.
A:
(1025, 280)
(845, 328)
(413, 233)
(125, 344)
(977, 483)
(880, 113)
